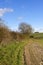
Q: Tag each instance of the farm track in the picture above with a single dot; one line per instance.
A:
(33, 54)
(26, 56)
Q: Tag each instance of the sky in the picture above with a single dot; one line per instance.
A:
(14, 12)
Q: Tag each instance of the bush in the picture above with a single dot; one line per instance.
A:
(4, 34)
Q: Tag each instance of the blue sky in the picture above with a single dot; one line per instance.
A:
(16, 11)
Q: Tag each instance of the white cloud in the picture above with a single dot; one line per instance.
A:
(5, 10)
(38, 29)
(20, 18)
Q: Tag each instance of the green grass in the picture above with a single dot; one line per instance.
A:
(12, 54)
(38, 34)
(38, 37)
(40, 41)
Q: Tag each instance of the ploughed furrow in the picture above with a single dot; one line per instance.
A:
(26, 56)
(33, 58)
(38, 51)
(36, 54)
(33, 54)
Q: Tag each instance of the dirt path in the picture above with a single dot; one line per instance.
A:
(27, 56)
(33, 54)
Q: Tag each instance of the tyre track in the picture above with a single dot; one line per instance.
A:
(33, 54)
(38, 53)
(26, 56)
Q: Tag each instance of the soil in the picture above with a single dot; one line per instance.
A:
(33, 54)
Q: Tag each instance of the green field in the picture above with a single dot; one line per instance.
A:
(38, 38)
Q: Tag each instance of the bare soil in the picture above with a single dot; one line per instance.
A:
(33, 54)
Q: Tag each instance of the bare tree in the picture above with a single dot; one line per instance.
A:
(25, 28)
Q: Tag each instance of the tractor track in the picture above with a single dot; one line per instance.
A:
(33, 54)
